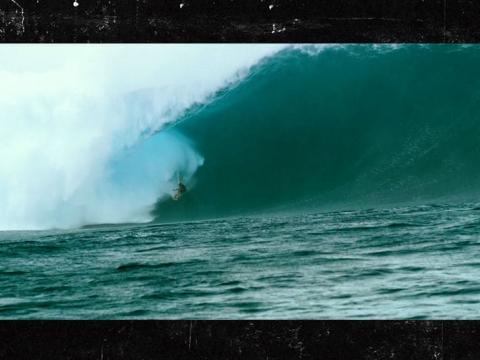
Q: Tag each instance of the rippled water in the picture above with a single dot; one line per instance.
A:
(409, 262)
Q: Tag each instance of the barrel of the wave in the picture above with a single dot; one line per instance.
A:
(348, 127)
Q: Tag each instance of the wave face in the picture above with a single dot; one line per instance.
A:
(346, 127)
(79, 124)
(93, 134)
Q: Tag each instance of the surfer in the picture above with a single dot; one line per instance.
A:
(180, 190)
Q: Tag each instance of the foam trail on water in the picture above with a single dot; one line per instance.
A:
(77, 125)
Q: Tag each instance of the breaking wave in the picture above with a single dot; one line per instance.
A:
(348, 127)
(100, 134)
(79, 126)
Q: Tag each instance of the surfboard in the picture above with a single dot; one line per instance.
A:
(176, 196)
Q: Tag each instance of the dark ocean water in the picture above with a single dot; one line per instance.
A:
(403, 262)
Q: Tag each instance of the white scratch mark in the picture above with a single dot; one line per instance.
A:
(276, 29)
(444, 20)
(190, 336)
(23, 14)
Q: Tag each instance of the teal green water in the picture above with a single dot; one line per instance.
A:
(350, 127)
(337, 184)
(409, 262)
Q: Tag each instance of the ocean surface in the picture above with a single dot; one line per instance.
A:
(418, 262)
(322, 182)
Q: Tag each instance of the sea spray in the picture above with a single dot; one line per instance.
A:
(67, 110)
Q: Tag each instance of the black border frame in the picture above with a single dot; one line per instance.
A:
(166, 21)
(244, 339)
(325, 21)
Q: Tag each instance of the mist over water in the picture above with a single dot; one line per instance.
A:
(67, 112)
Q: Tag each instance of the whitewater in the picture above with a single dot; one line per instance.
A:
(69, 115)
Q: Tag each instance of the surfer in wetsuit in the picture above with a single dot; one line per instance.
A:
(180, 190)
